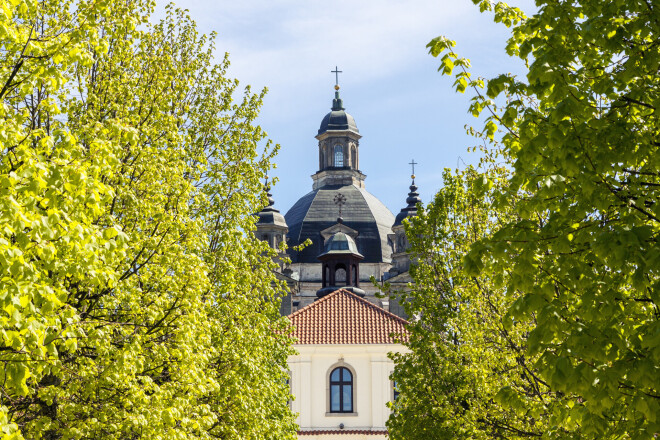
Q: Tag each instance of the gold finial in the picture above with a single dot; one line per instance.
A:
(337, 87)
(413, 163)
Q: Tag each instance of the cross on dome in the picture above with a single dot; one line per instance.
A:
(336, 72)
(340, 200)
(413, 163)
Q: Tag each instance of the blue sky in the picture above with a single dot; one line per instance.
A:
(403, 107)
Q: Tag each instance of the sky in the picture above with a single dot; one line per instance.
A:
(403, 107)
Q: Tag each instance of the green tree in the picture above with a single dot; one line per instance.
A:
(136, 301)
(467, 374)
(581, 253)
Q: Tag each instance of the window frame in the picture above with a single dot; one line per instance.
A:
(329, 413)
(343, 383)
(395, 391)
(338, 152)
(341, 282)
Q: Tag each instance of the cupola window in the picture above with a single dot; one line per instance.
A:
(339, 156)
(340, 275)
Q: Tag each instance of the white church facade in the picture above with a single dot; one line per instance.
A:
(343, 325)
(340, 376)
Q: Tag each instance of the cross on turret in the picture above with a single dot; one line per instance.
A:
(336, 72)
(413, 163)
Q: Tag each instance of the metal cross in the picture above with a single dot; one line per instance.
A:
(413, 163)
(340, 200)
(336, 72)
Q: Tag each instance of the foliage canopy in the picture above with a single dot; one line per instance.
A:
(577, 263)
(135, 301)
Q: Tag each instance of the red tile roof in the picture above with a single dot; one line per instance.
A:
(342, 431)
(342, 317)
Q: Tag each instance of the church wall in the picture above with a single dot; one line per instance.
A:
(372, 387)
(308, 272)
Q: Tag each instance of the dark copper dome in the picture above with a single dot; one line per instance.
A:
(316, 211)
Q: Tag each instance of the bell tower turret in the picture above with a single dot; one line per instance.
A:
(339, 148)
(271, 225)
(398, 239)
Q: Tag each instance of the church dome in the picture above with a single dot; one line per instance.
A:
(338, 119)
(316, 211)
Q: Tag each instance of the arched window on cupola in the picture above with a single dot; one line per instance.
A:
(339, 156)
(340, 275)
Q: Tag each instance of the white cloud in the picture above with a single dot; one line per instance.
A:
(292, 39)
(401, 105)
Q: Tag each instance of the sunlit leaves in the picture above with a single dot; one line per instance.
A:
(582, 257)
(468, 374)
(134, 300)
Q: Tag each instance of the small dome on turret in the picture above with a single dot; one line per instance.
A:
(412, 201)
(269, 215)
(340, 243)
(338, 119)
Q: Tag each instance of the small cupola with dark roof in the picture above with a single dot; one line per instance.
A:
(398, 239)
(338, 119)
(412, 201)
(271, 226)
(339, 146)
(340, 262)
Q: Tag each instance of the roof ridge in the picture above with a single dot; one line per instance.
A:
(375, 307)
(366, 195)
(360, 190)
(318, 301)
(353, 296)
(343, 317)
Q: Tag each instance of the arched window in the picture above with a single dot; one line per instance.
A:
(341, 390)
(340, 275)
(339, 156)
